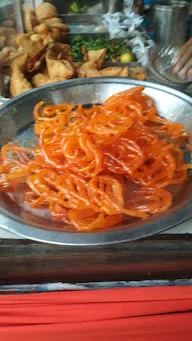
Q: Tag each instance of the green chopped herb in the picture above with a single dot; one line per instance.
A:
(115, 48)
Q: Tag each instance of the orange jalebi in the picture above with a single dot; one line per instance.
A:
(93, 166)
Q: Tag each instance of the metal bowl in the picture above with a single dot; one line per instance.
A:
(160, 61)
(15, 119)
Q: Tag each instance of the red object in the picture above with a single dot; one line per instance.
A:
(144, 314)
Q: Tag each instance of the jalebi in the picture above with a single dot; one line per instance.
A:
(93, 166)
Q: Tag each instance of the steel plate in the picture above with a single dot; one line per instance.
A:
(16, 118)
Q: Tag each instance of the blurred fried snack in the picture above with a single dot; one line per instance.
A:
(60, 25)
(39, 58)
(77, 65)
(11, 40)
(2, 41)
(138, 73)
(10, 30)
(18, 81)
(36, 38)
(62, 51)
(7, 55)
(47, 34)
(34, 49)
(19, 62)
(8, 35)
(91, 73)
(56, 34)
(58, 69)
(85, 53)
(98, 56)
(45, 11)
(29, 19)
(8, 23)
(88, 68)
(44, 21)
(36, 61)
(40, 79)
(26, 45)
(2, 30)
(42, 29)
(58, 28)
(115, 72)
(53, 21)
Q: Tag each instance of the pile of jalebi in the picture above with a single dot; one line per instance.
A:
(92, 166)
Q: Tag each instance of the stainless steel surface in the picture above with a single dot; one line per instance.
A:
(87, 24)
(113, 6)
(119, 64)
(6, 8)
(18, 15)
(2, 87)
(170, 23)
(3, 100)
(82, 19)
(15, 119)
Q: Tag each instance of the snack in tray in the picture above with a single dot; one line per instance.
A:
(45, 22)
(30, 20)
(40, 31)
(18, 81)
(8, 37)
(47, 60)
(48, 63)
(97, 56)
(93, 167)
(46, 11)
(40, 79)
(114, 48)
(115, 72)
(59, 69)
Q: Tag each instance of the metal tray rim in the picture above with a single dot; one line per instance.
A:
(164, 222)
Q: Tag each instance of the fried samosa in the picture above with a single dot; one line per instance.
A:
(18, 82)
(115, 72)
(86, 68)
(40, 79)
(29, 19)
(59, 70)
(46, 11)
(97, 56)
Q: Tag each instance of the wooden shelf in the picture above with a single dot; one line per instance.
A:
(159, 257)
